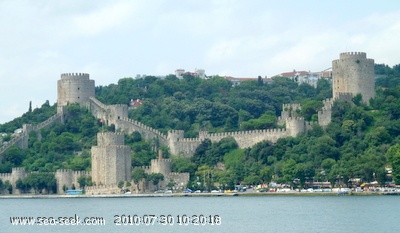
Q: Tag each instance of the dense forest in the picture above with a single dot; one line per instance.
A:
(361, 142)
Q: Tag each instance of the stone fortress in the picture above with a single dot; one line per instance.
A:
(352, 74)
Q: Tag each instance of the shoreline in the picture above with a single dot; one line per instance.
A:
(253, 194)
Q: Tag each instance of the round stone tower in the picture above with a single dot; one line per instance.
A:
(353, 73)
(74, 88)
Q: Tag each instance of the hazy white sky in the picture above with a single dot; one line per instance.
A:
(110, 40)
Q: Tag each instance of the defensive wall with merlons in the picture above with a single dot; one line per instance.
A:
(352, 73)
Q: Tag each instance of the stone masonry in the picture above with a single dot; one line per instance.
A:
(353, 73)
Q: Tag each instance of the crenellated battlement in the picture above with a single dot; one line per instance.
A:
(63, 171)
(18, 170)
(108, 134)
(189, 140)
(74, 75)
(81, 173)
(112, 146)
(293, 107)
(5, 176)
(295, 118)
(161, 160)
(352, 55)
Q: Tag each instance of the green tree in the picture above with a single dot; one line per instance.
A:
(41, 181)
(138, 174)
(393, 156)
(120, 184)
(155, 178)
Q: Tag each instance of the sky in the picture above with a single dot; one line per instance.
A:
(110, 40)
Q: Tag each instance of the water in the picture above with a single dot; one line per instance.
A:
(300, 214)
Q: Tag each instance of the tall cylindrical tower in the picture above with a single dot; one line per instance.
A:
(353, 73)
(74, 88)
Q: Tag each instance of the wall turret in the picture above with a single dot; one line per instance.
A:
(288, 110)
(295, 126)
(162, 166)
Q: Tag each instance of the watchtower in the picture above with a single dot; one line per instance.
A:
(353, 73)
(74, 88)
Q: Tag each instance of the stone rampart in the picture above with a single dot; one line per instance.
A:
(129, 126)
(68, 178)
(21, 140)
(251, 137)
(108, 113)
(102, 189)
(180, 179)
(56, 118)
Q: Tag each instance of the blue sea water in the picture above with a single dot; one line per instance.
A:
(301, 214)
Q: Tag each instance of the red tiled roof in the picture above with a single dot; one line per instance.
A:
(136, 103)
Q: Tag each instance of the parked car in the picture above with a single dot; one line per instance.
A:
(187, 191)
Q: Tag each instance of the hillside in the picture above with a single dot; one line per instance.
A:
(354, 145)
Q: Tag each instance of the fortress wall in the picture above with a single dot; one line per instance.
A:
(56, 118)
(22, 140)
(129, 126)
(249, 138)
(64, 177)
(69, 178)
(185, 147)
(98, 109)
(147, 169)
(5, 176)
(102, 189)
(109, 113)
(180, 179)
